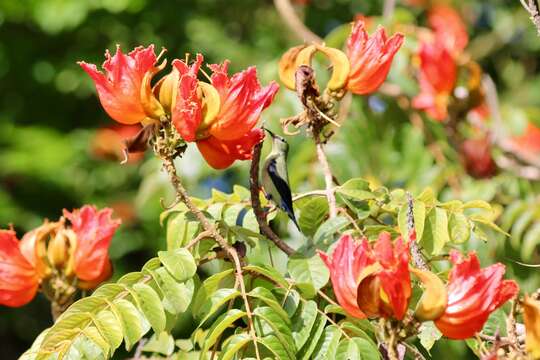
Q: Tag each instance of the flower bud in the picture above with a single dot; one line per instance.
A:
(287, 66)
(211, 103)
(531, 317)
(150, 104)
(434, 300)
(57, 250)
(167, 88)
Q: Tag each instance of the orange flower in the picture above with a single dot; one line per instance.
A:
(473, 294)
(371, 282)
(370, 58)
(94, 230)
(230, 134)
(531, 317)
(19, 272)
(108, 142)
(119, 89)
(450, 31)
(529, 142)
(438, 75)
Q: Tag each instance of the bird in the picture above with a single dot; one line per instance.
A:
(275, 177)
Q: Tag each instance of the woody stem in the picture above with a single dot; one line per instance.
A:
(182, 195)
(328, 178)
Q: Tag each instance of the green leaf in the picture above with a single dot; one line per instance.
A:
(356, 184)
(151, 307)
(350, 349)
(325, 232)
(233, 345)
(130, 320)
(530, 242)
(312, 215)
(436, 234)
(208, 287)
(217, 300)
(460, 228)
(316, 333)
(278, 349)
(310, 271)
(176, 297)
(231, 213)
(327, 346)
(161, 343)
(268, 299)
(477, 204)
(219, 326)
(302, 323)
(110, 326)
(84, 348)
(269, 273)
(428, 335)
(279, 327)
(359, 195)
(179, 263)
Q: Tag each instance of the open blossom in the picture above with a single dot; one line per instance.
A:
(20, 274)
(371, 281)
(370, 58)
(449, 28)
(438, 75)
(229, 135)
(119, 88)
(94, 230)
(473, 294)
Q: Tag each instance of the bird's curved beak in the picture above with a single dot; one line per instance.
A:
(269, 132)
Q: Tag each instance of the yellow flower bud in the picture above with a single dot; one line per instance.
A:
(434, 300)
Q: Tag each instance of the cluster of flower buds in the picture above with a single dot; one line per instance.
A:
(57, 257)
(219, 116)
(375, 282)
(361, 69)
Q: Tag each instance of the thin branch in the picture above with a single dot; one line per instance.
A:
(310, 193)
(291, 19)
(328, 179)
(199, 237)
(532, 8)
(388, 9)
(182, 195)
(256, 202)
(416, 254)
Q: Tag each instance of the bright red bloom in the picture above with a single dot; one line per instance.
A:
(94, 230)
(529, 142)
(476, 156)
(370, 58)
(119, 89)
(19, 274)
(450, 31)
(371, 282)
(230, 135)
(473, 294)
(438, 75)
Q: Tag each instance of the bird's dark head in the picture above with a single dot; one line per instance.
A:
(279, 143)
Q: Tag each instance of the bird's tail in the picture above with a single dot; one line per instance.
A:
(293, 218)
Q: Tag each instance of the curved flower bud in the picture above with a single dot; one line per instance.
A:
(473, 294)
(370, 58)
(19, 277)
(438, 75)
(287, 66)
(242, 101)
(450, 31)
(371, 282)
(120, 88)
(94, 230)
(434, 299)
(531, 318)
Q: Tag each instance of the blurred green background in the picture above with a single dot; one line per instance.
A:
(52, 156)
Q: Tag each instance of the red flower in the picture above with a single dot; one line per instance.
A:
(529, 142)
(473, 294)
(438, 74)
(230, 134)
(450, 31)
(370, 58)
(94, 230)
(371, 282)
(19, 272)
(119, 89)
(476, 155)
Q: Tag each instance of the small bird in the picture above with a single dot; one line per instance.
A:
(275, 177)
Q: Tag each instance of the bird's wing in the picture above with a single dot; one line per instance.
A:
(281, 186)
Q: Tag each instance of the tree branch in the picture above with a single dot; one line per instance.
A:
(416, 254)
(291, 19)
(256, 202)
(328, 179)
(532, 8)
(182, 195)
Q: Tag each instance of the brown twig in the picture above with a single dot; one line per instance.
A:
(256, 202)
(328, 179)
(532, 8)
(182, 195)
(291, 19)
